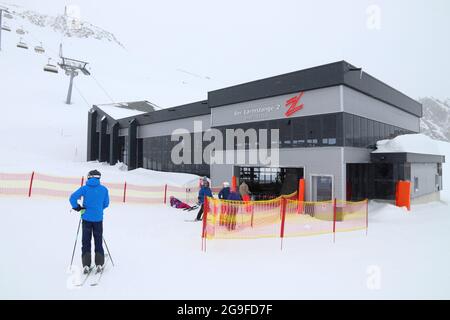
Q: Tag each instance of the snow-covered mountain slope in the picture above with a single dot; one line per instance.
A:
(436, 118)
(66, 24)
(39, 131)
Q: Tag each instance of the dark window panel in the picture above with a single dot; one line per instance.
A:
(356, 131)
(348, 130)
(364, 132)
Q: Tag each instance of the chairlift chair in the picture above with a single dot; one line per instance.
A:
(50, 67)
(6, 28)
(20, 31)
(39, 49)
(22, 45)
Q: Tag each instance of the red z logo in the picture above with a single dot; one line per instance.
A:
(293, 105)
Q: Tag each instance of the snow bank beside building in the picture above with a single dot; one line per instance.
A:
(413, 143)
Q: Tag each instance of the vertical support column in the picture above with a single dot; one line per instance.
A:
(114, 144)
(92, 137)
(334, 220)
(165, 194)
(103, 145)
(283, 219)
(31, 185)
(301, 195)
(205, 223)
(132, 145)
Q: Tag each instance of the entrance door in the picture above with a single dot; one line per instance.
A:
(322, 188)
(269, 183)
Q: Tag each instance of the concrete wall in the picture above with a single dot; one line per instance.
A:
(166, 128)
(362, 105)
(426, 172)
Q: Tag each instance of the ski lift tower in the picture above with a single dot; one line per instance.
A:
(2, 9)
(72, 68)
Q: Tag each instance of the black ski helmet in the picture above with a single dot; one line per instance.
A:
(94, 174)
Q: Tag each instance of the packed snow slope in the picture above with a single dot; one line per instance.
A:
(158, 256)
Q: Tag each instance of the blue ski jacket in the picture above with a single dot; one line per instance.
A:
(95, 199)
(204, 192)
(224, 193)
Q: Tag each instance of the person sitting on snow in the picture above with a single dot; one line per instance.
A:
(178, 204)
(95, 200)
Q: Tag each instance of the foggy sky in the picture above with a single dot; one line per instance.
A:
(235, 41)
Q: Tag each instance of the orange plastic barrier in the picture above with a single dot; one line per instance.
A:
(281, 218)
(42, 185)
(403, 194)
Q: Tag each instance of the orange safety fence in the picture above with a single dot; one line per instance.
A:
(282, 217)
(42, 185)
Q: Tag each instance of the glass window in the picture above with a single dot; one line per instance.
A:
(348, 129)
(376, 131)
(273, 141)
(391, 131)
(339, 129)
(356, 131)
(313, 125)
(329, 129)
(285, 126)
(416, 184)
(371, 135)
(364, 132)
(299, 132)
(386, 131)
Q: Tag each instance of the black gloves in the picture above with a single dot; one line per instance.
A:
(78, 209)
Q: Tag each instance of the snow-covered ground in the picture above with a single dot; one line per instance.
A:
(157, 254)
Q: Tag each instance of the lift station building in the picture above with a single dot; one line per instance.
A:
(329, 119)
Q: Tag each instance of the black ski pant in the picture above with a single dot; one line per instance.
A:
(92, 229)
(200, 213)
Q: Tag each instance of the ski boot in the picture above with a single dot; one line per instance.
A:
(86, 269)
(99, 269)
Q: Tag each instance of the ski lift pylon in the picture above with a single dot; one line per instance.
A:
(50, 67)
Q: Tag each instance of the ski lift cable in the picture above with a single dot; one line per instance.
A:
(103, 89)
(109, 96)
(82, 96)
(95, 79)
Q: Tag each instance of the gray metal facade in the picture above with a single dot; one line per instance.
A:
(327, 89)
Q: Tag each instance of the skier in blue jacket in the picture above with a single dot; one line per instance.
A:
(204, 191)
(95, 200)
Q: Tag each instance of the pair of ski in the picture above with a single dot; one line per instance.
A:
(191, 208)
(97, 275)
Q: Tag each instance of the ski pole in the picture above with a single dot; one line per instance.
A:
(109, 253)
(75, 245)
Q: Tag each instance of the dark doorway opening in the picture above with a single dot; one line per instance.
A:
(269, 183)
(374, 180)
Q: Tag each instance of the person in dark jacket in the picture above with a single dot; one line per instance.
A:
(223, 195)
(225, 192)
(204, 191)
(233, 208)
(95, 200)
